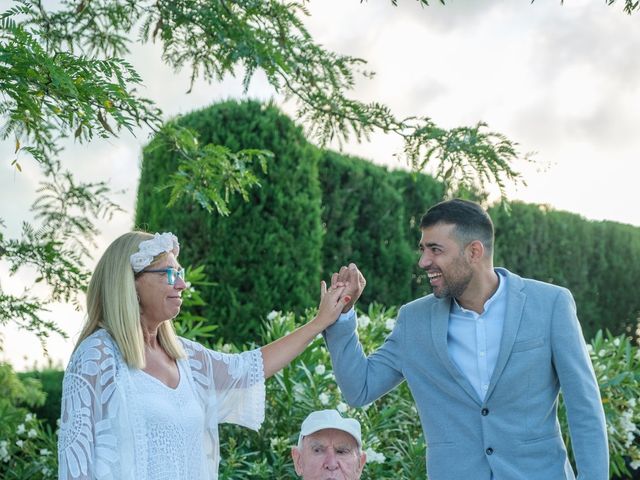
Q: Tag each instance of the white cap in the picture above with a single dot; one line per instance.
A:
(321, 419)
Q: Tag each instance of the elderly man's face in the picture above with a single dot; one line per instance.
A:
(329, 455)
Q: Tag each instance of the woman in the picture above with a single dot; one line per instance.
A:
(139, 402)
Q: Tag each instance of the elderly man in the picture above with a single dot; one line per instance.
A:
(329, 448)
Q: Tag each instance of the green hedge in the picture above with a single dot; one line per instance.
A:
(266, 254)
(320, 209)
(598, 261)
(363, 214)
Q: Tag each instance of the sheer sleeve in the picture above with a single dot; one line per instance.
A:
(87, 442)
(233, 384)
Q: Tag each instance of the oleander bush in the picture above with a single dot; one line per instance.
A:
(616, 361)
(392, 434)
(51, 380)
(27, 445)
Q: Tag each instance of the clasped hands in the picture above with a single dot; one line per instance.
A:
(345, 290)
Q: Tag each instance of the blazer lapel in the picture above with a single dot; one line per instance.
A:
(439, 328)
(513, 315)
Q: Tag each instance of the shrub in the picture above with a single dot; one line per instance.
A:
(598, 261)
(304, 220)
(363, 215)
(391, 435)
(616, 362)
(27, 448)
(266, 253)
(390, 425)
(51, 381)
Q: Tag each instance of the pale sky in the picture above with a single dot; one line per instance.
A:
(558, 79)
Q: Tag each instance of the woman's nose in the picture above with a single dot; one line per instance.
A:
(179, 284)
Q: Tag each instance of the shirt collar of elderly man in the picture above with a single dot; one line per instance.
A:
(329, 448)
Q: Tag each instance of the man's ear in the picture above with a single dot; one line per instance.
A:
(295, 455)
(475, 250)
(363, 460)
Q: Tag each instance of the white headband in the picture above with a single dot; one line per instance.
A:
(149, 249)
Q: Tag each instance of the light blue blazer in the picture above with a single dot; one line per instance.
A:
(514, 432)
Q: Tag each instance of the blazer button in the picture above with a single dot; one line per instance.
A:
(484, 412)
(489, 451)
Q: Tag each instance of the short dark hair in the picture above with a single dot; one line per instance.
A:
(470, 219)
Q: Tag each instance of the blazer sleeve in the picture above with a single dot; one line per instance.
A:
(580, 391)
(364, 379)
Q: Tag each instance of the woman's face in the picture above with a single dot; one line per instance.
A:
(160, 301)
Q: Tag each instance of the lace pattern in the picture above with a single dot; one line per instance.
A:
(102, 434)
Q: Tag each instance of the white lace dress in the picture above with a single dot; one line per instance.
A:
(119, 423)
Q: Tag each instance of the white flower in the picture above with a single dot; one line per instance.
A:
(602, 353)
(616, 342)
(632, 402)
(589, 348)
(29, 417)
(32, 433)
(320, 369)
(373, 456)
(630, 438)
(635, 465)
(226, 348)
(342, 407)
(20, 443)
(4, 451)
(46, 471)
(363, 321)
(298, 392)
(272, 314)
(44, 452)
(389, 324)
(324, 398)
(21, 429)
(274, 442)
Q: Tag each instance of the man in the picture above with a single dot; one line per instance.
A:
(485, 357)
(329, 448)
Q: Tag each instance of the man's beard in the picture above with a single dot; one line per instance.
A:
(455, 283)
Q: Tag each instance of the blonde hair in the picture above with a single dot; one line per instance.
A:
(112, 303)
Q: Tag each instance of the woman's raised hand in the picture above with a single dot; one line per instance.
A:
(332, 302)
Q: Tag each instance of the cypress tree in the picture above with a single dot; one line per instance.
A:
(266, 254)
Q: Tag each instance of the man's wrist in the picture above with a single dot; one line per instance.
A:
(347, 308)
(346, 315)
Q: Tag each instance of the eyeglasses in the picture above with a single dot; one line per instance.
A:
(172, 274)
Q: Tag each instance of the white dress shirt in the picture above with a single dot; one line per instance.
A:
(474, 339)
